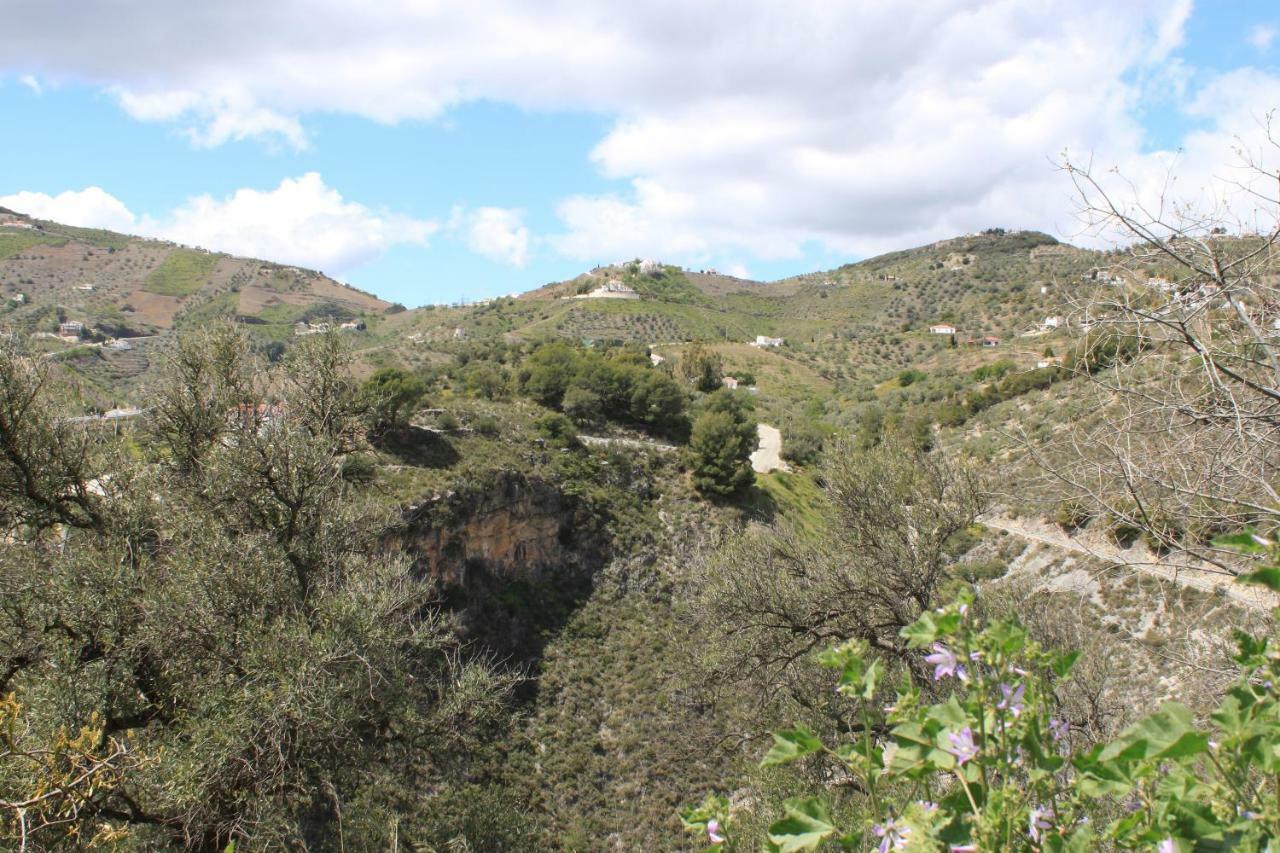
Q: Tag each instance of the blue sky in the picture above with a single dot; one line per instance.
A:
(431, 154)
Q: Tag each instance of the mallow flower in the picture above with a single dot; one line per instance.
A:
(891, 835)
(945, 663)
(1011, 699)
(1041, 819)
(962, 745)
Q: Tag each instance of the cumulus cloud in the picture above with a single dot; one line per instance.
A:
(91, 207)
(742, 128)
(32, 83)
(302, 221)
(496, 233)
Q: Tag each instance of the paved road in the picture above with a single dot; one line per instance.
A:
(1197, 575)
(768, 456)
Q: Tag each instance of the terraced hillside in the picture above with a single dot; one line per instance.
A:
(846, 331)
(130, 286)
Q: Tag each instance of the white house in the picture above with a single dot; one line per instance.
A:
(730, 382)
(70, 329)
(1054, 322)
(655, 359)
(611, 289)
(942, 329)
(766, 341)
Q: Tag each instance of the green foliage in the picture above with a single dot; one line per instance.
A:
(181, 273)
(557, 430)
(910, 376)
(591, 386)
(719, 451)
(12, 243)
(485, 379)
(802, 441)
(243, 661)
(994, 370)
(392, 395)
(721, 444)
(981, 730)
(701, 368)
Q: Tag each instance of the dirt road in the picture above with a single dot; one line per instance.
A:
(768, 455)
(1138, 557)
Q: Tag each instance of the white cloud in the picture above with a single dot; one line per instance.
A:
(92, 207)
(302, 221)
(742, 128)
(1261, 36)
(32, 83)
(494, 232)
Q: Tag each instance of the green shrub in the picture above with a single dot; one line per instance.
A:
(557, 430)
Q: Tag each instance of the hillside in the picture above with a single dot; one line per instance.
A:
(130, 286)
(544, 484)
(845, 330)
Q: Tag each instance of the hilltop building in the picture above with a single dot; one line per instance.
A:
(611, 289)
(766, 341)
(942, 329)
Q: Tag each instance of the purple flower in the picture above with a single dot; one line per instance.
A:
(713, 831)
(892, 836)
(962, 745)
(1012, 701)
(1041, 819)
(1059, 729)
(944, 663)
(927, 807)
(964, 848)
(1166, 846)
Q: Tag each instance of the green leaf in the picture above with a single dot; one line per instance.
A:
(1268, 577)
(790, 744)
(870, 679)
(1063, 663)
(804, 827)
(921, 632)
(1166, 734)
(1244, 543)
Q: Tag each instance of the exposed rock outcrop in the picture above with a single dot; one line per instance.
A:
(508, 526)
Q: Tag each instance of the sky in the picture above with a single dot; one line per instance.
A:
(433, 151)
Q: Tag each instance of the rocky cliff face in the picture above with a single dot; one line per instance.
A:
(507, 527)
(515, 556)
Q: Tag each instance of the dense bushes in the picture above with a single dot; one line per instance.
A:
(618, 384)
(720, 447)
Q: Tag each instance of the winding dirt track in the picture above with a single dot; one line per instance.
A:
(1186, 572)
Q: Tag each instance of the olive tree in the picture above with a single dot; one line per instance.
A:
(216, 616)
